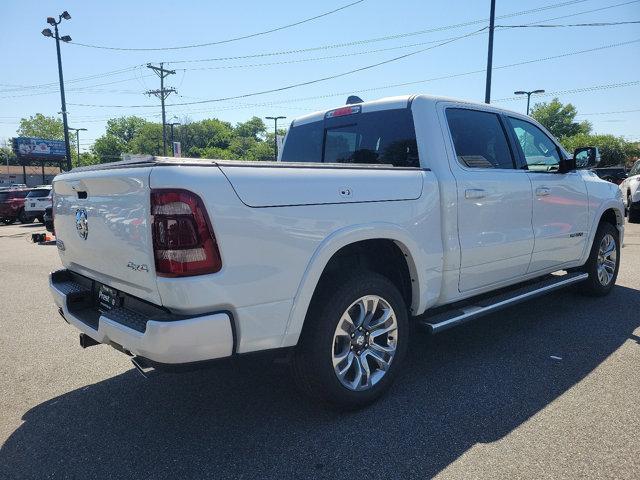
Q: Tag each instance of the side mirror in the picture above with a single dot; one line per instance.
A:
(586, 157)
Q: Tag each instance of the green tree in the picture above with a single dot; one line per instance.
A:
(559, 119)
(147, 141)
(7, 156)
(108, 148)
(252, 128)
(613, 150)
(125, 128)
(41, 126)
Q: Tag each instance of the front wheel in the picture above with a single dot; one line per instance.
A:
(7, 221)
(353, 342)
(604, 261)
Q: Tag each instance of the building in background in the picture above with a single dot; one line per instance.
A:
(31, 175)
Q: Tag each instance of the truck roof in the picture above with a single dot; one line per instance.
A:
(386, 103)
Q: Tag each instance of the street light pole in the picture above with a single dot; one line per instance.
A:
(528, 94)
(78, 130)
(275, 134)
(47, 33)
(492, 18)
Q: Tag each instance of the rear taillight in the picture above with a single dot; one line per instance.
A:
(183, 240)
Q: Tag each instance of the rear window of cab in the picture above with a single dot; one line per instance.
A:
(347, 135)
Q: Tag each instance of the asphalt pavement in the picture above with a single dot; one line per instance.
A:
(546, 389)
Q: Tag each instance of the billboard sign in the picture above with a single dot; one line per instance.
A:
(29, 148)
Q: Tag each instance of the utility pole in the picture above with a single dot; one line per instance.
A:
(528, 94)
(66, 38)
(78, 130)
(162, 94)
(492, 19)
(171, 125)
(275, 134)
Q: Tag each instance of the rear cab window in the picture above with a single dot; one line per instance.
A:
(348, 135)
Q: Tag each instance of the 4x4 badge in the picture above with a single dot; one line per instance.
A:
(82, 226)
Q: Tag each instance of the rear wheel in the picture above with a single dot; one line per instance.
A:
(24, 217)
(354, 341)
(604, 261)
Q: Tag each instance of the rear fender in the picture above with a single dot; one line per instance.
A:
(422, 278)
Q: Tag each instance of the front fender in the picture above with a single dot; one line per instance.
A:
(424, 268)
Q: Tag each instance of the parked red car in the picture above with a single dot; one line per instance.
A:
(12, 206)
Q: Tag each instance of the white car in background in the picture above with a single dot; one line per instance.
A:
(630, 189)
(37, 201)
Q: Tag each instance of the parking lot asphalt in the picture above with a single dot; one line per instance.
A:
(546, 389)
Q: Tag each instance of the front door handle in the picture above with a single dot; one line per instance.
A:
(542, 191)
(474, 193)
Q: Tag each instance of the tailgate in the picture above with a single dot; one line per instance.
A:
(103, 230)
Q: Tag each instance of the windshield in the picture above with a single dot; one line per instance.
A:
(383, 137)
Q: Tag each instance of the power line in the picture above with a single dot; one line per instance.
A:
(228, 40)
(578, 90)
(295, 85)
(76, 80)
(609, 113)
(357, 70)
(390, 37)
(443, 77)
(597, 24)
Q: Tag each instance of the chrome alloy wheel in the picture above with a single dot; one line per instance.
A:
(607, 256)
(364, 343)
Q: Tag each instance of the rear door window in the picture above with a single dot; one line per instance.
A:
(40, 192)
(384, 137)
(479, 139)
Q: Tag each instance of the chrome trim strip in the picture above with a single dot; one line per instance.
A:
(479, 311)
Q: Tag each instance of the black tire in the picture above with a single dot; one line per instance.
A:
(633, 213)
(593, 286)
(8, 221)
(312, 361)
(24, 217)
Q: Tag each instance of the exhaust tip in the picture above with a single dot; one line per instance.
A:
(142, 366)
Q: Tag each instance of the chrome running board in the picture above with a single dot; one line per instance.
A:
(474, 308)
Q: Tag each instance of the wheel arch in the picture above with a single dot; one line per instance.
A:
(611, 212)
(355, 237)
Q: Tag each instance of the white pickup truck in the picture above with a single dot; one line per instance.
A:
(406, 209)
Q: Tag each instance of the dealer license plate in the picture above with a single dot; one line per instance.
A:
(108, 298)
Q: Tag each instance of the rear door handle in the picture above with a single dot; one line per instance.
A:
(542, 191)
(474, 193)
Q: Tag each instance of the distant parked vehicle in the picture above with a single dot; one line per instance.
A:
(48, 219)
(37, 200)
(630, 189)
(611, 174)
(12, 206)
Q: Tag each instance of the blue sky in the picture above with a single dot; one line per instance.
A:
(29, 58)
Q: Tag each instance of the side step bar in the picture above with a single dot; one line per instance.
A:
(471, 310)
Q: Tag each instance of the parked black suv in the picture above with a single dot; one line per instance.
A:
(611, 174)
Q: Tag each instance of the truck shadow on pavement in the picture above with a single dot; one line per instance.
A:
(245, 419)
